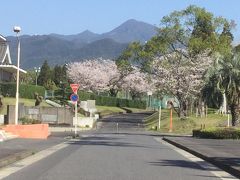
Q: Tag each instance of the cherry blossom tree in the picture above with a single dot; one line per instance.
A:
(137, 83)
(181, 76)
(96, 75)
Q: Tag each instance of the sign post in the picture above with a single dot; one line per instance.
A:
(74, 98)
(159, 117)
(171, 121)
(158, 104)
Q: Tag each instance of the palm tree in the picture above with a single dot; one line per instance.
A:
(229, 80)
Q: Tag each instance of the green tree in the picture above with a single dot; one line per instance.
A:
(57, 75)
(187, 33)
(60, 75)
(29, 77)
(45, 74)
(229, 80)
(50, 85)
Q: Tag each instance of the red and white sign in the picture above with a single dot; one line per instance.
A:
(74, 87)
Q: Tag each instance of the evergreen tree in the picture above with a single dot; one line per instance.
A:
(57, 75)
(45, 74)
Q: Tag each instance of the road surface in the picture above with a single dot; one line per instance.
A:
(125, 152)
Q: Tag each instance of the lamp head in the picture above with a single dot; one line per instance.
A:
(16, 29)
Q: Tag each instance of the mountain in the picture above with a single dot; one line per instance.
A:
(86, 36)
(131, 30)
(60, 49)
(34, 50)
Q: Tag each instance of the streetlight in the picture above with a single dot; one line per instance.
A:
(17, 30)
(37, 71)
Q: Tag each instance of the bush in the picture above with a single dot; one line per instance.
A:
(26, 120)
(217, 133)
(25, 91)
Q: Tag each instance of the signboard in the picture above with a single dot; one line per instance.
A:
(74, 87)
(157, 103)
(74, 97)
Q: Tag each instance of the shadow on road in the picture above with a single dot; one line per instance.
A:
(177, 163)
(104, 141)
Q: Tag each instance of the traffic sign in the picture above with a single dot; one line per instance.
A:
(74, 97)
(74, 87)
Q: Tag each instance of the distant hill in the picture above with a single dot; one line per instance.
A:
(131, 30)
(60, 49)
(86, 36)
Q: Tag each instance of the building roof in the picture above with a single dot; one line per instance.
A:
(11, 68)
(5, 58)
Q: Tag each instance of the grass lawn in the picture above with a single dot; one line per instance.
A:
(135, 110)
(184, 126)
(11, 101)
(107, 110)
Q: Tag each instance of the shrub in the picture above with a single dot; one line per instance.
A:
(217, 133)
(25, 91)
(26, 120)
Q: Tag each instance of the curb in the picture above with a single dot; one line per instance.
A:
(15, 157)
(227, 168)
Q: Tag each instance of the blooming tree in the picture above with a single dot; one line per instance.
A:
(181, 76)
(95, 75)
(137, 83)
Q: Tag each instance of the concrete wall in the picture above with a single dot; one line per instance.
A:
(85, 121)
(51, 115)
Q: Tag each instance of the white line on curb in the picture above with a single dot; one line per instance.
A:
(12, 168)
(211, 168)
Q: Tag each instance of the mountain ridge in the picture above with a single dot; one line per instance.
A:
(60, 49)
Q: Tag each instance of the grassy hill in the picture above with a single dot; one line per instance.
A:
(184, 126)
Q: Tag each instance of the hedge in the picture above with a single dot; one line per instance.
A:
(111, 101)
(25, 90)
(217, 133)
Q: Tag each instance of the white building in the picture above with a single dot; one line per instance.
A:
(7, 69)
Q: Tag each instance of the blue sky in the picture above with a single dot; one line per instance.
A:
(99, 16)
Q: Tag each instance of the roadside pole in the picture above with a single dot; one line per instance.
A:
(75, 126)
(171, 123)
(74, 98)
(159, 117)
(228, 120)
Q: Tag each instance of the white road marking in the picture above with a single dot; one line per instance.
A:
(103, 135)
(211, 168)
(12, 168)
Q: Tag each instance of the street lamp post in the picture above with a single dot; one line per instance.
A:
(17, 30)
(37, 71)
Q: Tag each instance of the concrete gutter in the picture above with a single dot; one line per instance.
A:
(230, 169)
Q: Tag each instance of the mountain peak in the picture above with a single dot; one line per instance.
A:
(87, 32)
(132, 30)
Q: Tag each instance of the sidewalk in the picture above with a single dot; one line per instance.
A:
(17, 149)
(224, 154)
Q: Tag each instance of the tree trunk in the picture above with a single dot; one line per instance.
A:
(202, 109)
(223, 107)
(183, 109)
(113, 92)
(235, 114)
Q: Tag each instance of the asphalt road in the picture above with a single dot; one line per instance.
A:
(107, 154)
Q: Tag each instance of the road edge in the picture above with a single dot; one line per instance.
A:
(218, 164)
